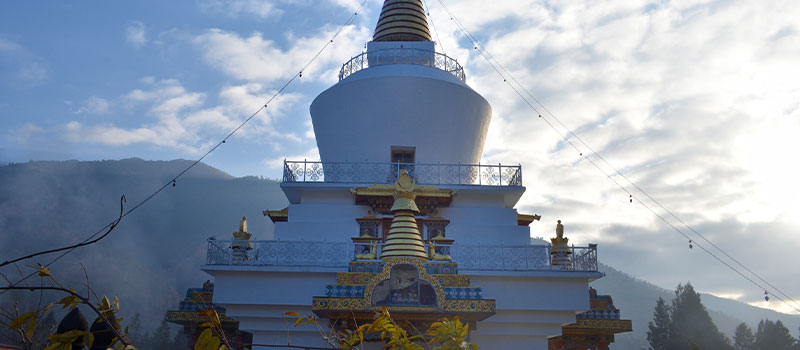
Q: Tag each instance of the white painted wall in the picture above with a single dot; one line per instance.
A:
(530, 307)
(328, 213)
(362, 117)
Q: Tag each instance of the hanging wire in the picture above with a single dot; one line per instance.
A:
(505, 74)
(173, 181)
(436, 32)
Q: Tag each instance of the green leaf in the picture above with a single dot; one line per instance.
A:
(43, 271)
(69, 302)
(88, 340)
(21, 320)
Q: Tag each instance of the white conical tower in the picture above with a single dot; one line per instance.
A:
(401, 95)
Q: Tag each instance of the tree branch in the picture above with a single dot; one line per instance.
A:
(85, 243)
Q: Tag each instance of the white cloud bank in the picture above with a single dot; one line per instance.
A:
(696, 101)
(256, 58)
(183, 120)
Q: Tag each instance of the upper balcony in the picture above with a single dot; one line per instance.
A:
(412, 56)
(386, 173)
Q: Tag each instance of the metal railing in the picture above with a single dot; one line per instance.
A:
(386, 173)
(339, 254)
(413, 56)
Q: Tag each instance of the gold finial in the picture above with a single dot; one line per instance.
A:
(402, 20)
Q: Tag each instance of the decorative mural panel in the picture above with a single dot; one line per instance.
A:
(403, 288)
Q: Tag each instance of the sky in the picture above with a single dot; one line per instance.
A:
(697, 102)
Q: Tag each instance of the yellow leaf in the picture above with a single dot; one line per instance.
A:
(47, 308)
(43, 271)
(116, 303)
(297, 323)
(31, 328)
(22, 319)
(291, 313)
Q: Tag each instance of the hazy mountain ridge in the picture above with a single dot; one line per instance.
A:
(157, 252)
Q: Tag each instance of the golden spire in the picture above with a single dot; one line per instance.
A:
(404, 238)
(402, 20)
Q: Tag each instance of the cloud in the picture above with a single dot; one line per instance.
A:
(95, 105)
(25, 133)
(184, 120)
(22, 69)
(691, 100)
(255, 58)
(136, 34)
(236, 8)
(277, 162)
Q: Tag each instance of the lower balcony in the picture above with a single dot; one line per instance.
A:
(311, 254)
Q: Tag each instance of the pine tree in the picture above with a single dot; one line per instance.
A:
(658, 335)
(181, 341)
(161, 339)
(135, 329)
(774, 336)
(691, 324)
(744, 339)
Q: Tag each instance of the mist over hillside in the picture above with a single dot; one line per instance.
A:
(157, 252)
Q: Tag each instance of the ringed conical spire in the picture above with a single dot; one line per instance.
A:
(404, 239)
(402, 20)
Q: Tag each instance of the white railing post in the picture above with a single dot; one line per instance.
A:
(439, 174)
(500, 173)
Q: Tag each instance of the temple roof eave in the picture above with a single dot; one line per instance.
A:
(294, 190)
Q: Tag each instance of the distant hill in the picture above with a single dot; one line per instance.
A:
(157, 251)
(636, 300)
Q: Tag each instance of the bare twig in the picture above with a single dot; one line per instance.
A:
(85, 243)
(84, 301)
(5, 278)
(89, 290)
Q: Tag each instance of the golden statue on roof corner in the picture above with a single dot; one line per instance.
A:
(240, 248)
(559, 239)
(243, 224)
